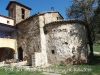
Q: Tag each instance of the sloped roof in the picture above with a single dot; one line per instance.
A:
(5, 16)
(6, 27)
(12, 2)
(38, 14)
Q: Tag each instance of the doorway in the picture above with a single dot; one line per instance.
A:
(20, 54)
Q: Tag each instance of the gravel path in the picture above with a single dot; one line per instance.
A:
(96, 52)
(46, 73)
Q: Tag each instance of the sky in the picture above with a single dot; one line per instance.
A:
(39, 6)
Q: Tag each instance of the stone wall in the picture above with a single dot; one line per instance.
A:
(15, 12)
(28, 36)
(12, 11)
(66, 42)
(50, 17)
(45, 39)
(32, 39)
(19, 13)
(41, 58)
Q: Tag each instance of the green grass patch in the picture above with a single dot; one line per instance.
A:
(63, 70)
(16, 71)
(77, 70)
(91, 68)
(96, 47)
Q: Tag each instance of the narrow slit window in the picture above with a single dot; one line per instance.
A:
(7, 21)
(57, 18)
(23, 13)
(52, 51)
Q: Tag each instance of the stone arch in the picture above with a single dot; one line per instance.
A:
(6, 53)
(20, 53)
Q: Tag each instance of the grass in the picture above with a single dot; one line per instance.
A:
(96, 47)
(15, 71)
(84, 70)
(92, 68)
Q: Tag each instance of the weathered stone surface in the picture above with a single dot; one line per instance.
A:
(46, 43)
(41, 58)
(19, 13)
(46, 38)
(15, 12)
(66, 42)
(28, 37)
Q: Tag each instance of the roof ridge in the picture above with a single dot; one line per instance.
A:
(17, 3)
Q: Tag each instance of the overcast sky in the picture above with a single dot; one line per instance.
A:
(39, 5)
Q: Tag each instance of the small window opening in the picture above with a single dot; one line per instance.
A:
(53, 52)
(57, 18)
(45, 31)
(11, 13)
(7, 21)
(22, 37)
(23, 13)
(38, 47)
(66, 43)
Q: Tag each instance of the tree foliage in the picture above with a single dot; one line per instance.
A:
(97, 21)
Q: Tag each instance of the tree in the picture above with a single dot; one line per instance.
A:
(97, 21)
(84, 10)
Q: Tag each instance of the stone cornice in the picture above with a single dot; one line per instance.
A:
(65, 21)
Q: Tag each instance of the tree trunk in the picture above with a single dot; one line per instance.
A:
(90, 42)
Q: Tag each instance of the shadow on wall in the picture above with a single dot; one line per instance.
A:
(20, 54)
(6, 53)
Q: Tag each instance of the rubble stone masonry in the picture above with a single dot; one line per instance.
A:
(45, 39)
(66, 43)
(28, 37)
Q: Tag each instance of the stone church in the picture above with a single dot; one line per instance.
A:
(43, 38)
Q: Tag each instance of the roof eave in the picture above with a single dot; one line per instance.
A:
(7, 8)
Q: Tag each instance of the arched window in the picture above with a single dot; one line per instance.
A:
(20, 53)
